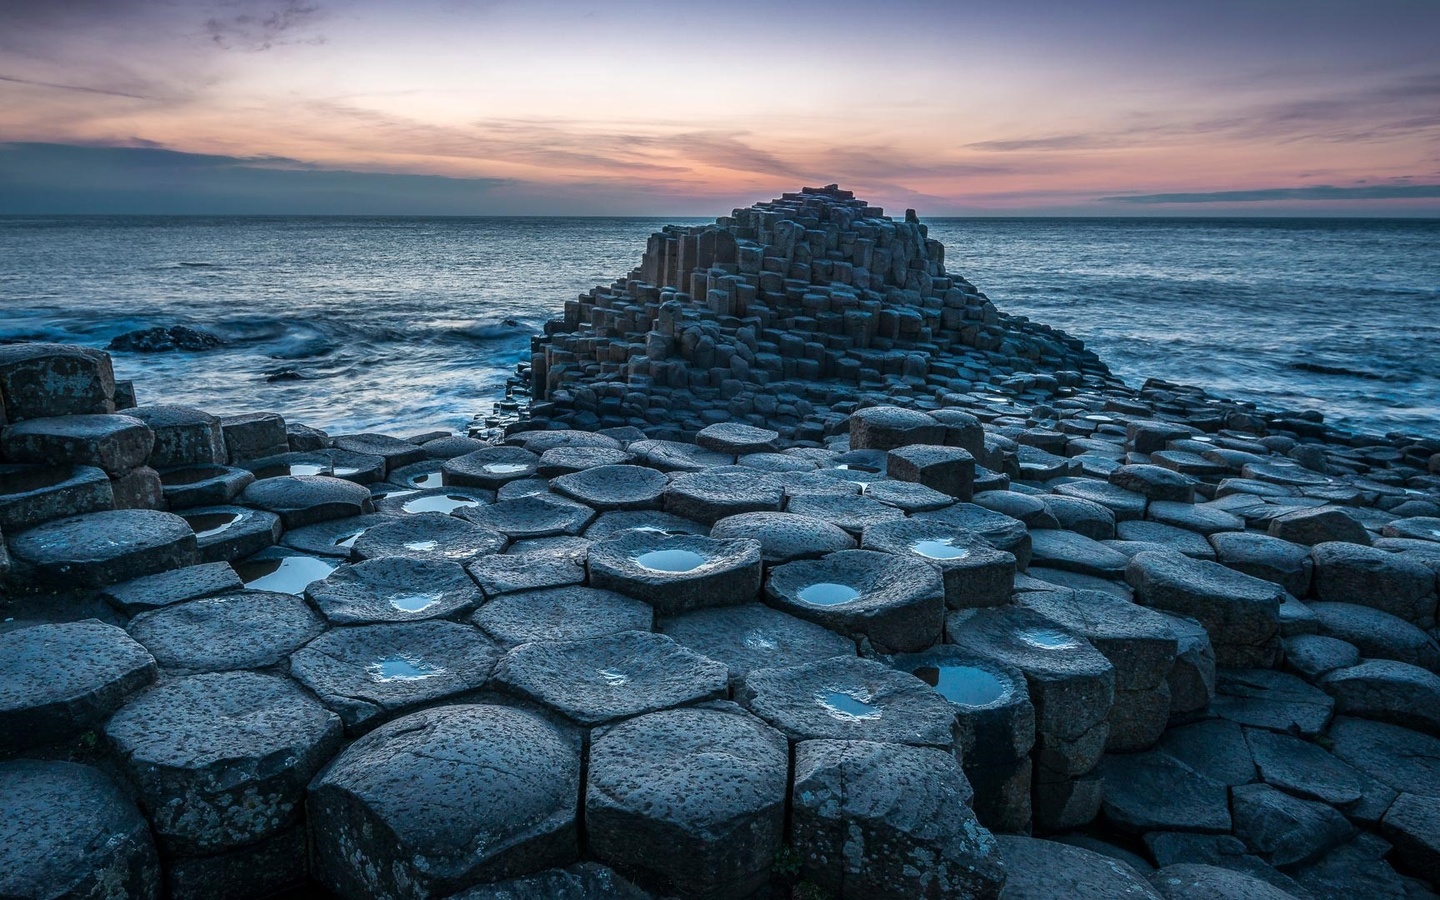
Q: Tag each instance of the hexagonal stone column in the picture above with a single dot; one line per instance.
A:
(59, 680)
(429, 536)
(785, 537)
(602, 679)
(1240, 613)
(183, 436)
(67, 830)
(609, 488)
(490, 468)
(675, 573)
(975, 573)
(370, 673)
(252, 742)
(105, 548)
(55, 380)
(306, 499)
(949, 470)
(535, 516)
(242, 630)
(31, 495)
(693, 800)
(846, 698)
(752, 636)
(394, 589)
(225, 533)
(443, 799)
(116, 444)
(888, 427)
(712, 495)
(881, 820)
(572, 613)
(897, 603)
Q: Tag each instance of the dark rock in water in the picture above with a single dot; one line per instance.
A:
(104, 548)
(58, 680)
(880, 820)
(252, 743)
(67, 830)
(439, 800)
(660, 802)
(1048, 870)
(368, 673)
(164, 340)
(39, 380)
(606, 678)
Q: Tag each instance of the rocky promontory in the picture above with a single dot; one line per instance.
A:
(807, 573)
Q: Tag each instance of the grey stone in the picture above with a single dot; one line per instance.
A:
(974, 573)
(784, 537)
(1307, 770)
(1264, 698)
(173, 586)
(897, 603)
(1354, 869)
(544, 441)
(602, 679)
(1420, 528)
(1351, 573)
(1140, 643)
(581, 881)
(880, 820)
(1214, 747)
(490, 468)
(614, 487)
(1125, 505)
(907, 496)
(183, 436)
(104, 548)
(540, 515)
(1403, 759)
(948, 470)
(283, 570)
(714, 494)
(429, 536)
(735, 438)
(998, 530)
(447, 501)
(67, 830)
(1047, 870)
(397, 453)
(253, 436)
(1181, 540)
(1189, 881)
(1240, 613)
(889, 427)
(1223, 851)
(275, 865)
(676, 573)
(242, 630)
(139, 488)
(1155, 483)
(203, 485)
(394, 589)
(609, 523)
(1318, 525)
(752, 636)
(1413, 824)
(1267, 558)
(1377, 634)
(59, 680)
(845, 698)
(251, 744)
(572, 613)
(225, 533)
(672, 456)
(370, 673)
(114, 443)
(335, 537)
(1199, 518)
(852, 513)
(1154, 791)
(1018, 505)
(1312, 655)
(692, 799)
(1084, 517)
(504, 574)
(32, 495)
(445, 798)
(1388, 691)
(1138, 718)
(1076, 553)
(38, 380)
(306, 499)
(1285, 830)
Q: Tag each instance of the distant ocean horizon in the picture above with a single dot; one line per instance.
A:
(409, 323)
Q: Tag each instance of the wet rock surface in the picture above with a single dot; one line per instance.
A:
(1167, 630)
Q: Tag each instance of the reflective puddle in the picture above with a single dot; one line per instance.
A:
(428, 480)
(415, 602)
(420, 546)
(211, 523)
(827, 593)
(286, 575)
(505, 468)
(280, 470)
(613, 678)
(445, 503)
(965, 685)
(401, 668)
(852, 705)
(755, 640)
(345, 471)
(348, 540)
(940, 549)
(670, 560)
(1047, 638)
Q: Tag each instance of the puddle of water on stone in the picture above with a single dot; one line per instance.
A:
(428, 480)
(345, 471)
(857, 467)
(211, 523)
(416, 602)
(385, 495)
(1099, 420)
(613, 678)
(827, 593)
(293, 469)
(943, 548)
(349, 540)
(1047, 639)
(193, 475)
(670, 560)
(420, 546)
(965, 685)
(849, 706)
(755, 640)
(445, 503)
(505, 468)
(401, 668)
(287, 575)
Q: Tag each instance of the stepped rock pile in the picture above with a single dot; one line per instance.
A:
(778, 315)
(1041, 640)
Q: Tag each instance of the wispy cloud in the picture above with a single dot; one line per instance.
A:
(71, 87)
(1314, 192)
(257, 25)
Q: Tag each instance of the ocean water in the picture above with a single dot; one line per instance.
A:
(407, 324)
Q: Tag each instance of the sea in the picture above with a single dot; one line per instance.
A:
(410, 324)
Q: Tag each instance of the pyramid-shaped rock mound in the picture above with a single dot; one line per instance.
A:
(786, 315)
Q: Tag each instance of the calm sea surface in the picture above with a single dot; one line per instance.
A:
(407, 324)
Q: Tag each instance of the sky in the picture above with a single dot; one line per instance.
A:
(556, 107)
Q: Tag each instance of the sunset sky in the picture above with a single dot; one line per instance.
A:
(1063, 107)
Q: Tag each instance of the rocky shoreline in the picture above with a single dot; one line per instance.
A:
(806, 572)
